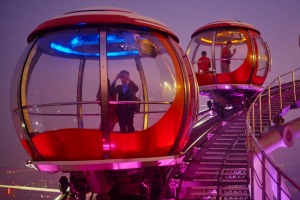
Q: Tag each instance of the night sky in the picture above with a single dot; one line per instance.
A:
(278, 22)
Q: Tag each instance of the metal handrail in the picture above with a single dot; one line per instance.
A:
(267, 91)
(87, 103)
(93, 102)
(254, 144)
(199, 138)
(279, 175)
(207, 131)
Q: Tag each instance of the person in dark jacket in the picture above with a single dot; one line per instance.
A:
(126, 92)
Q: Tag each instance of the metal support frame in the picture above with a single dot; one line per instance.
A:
(79, 93)
(104, 95)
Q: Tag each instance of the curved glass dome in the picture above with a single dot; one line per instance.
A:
(65, 99)
(66, 77)
(237, 54)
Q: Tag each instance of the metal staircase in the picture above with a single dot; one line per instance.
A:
(220, 167)
(223, 166)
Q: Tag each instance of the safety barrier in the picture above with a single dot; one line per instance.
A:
(269, 107)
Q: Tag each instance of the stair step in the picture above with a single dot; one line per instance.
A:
(235, 195)
(215, 153)
(212, 187)
(237, 154)
(237, 127)
(234, 131)
(237, 158)
(203, 194)
(208, 168)
(208, 173)
(229, 135)
(235, 169)
(218, 148)
(205, 180)
(238, 149)
(228, 162)
(235, 187)
(234, 181)
(235, 164)
(225, 139)
(211, 163)
(240, 145)
(222, 143)
(234, 173)
(213, 158)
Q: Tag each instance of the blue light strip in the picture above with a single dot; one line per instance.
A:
(92, 39)
(113, 39)
(122, 53)
(67, 50)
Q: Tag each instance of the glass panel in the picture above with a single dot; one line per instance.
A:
(263, 57)
(15, 94)
(60, 77)
(151, 72)
(230, 50)
(201, 45)
(45, 87)
(91, 93)
(161, 84)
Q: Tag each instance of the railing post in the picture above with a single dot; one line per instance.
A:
(294, 86)
(269, 104)
(250, 151)
(260, 114)
(280, 92)
(250, 157)
(252, 176)
(253, 122)
(263, 172)
(197, 117)
(278, 185)
(248, 121)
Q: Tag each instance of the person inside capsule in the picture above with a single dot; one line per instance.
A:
(203, 63)
(226, 56)
(126, 92)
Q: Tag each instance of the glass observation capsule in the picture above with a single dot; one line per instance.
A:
(64, 101)
(230, 59)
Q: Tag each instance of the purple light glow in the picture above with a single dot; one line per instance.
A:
(109, 164)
